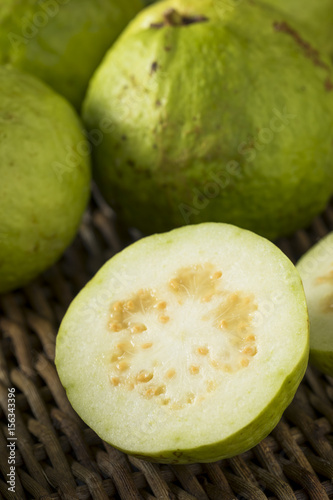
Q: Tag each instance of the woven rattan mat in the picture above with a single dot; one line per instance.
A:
(58, 457)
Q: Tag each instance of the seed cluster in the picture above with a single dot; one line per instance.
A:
(199, 282)
(230, 314)
(327, 303)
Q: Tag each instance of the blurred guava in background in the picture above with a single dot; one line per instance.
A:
(61, 41)
(219, 114)
(45, 176)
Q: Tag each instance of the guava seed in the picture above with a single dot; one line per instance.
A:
(227, 314)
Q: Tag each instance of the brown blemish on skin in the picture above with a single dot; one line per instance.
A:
(154, 67)
(328, 84)
(309, 51)
(157, 25)
(173, 18)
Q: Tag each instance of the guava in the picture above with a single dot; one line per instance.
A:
(316, 16)
(180, 351)
(45, 176)
(316, 270)
(219, 114)
(61, 41)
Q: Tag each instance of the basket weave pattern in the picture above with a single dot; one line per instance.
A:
(58, 457)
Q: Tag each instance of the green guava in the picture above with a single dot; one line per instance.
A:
(61, 41)
(316, 270)
(219, 114)
(45, 176)
(179, 351)
(315, 15)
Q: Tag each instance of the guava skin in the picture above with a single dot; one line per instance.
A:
(45, 177)
(62, 41)
(317, 18)
(208, 126)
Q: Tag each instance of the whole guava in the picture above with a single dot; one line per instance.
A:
(61, 41)
(219, 114)
(316, 16)
(45, 176)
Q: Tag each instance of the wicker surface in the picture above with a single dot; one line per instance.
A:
(57, 456)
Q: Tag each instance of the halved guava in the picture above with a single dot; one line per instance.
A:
(187, 346)
(316, 270)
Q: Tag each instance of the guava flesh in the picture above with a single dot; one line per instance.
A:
(45, 177)
(316, 270)
(179, 351)
(208, 126)
(62, 41)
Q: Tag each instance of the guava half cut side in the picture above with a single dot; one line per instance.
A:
(186, 346)
(316, 270)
